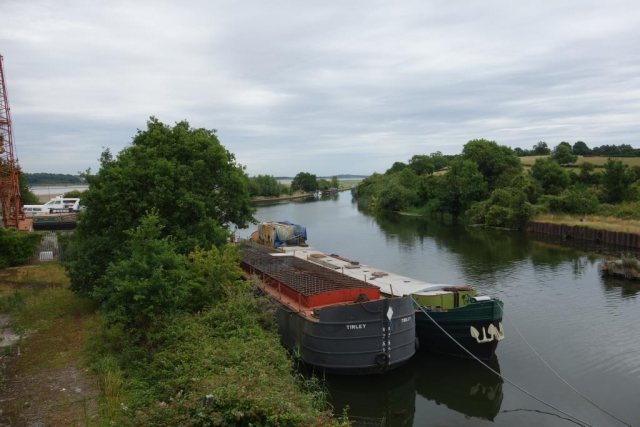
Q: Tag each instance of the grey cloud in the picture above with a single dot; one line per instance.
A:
(326, 87)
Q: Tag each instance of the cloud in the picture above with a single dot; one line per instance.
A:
(316, 86)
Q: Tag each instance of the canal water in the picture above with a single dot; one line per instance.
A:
(587, 327)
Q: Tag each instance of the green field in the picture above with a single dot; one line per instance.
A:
(597, 161)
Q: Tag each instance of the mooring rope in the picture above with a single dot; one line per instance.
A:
(558, 375)
(584, 423)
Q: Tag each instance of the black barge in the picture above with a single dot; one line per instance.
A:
(333, 322)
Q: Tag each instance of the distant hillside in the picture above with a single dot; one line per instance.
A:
(42, 178)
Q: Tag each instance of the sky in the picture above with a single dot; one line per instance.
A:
(326, 87)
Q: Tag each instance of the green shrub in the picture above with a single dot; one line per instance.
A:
(223, 366)
(17, 247)
(498, 216)
(629, 261)
(552, 203)
(149, 282)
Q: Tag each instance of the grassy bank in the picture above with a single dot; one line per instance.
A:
(592, 221)
(260, 199)
(597, 161)
(44, 378)
(222, 366)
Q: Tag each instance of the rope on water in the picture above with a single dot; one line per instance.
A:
(583, 423)
(558, 375)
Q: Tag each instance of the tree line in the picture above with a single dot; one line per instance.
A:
(580, 148)
(487, 184)
(268, 185)
(43, 178)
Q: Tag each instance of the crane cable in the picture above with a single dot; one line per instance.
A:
(584, 423)
(558, 375)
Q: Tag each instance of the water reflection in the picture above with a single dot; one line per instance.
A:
(461, 385)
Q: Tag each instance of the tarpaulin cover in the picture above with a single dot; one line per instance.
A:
(281, 233)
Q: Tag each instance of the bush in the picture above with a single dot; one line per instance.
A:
(149, 282)
(580, 200)
(498, 216)
(629, 261)
(223, 366)
(17, 247)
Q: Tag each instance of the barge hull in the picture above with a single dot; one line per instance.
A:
(483, 317)
(351, 339)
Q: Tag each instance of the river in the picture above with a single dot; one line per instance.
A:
(587, 327)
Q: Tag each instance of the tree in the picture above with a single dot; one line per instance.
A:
(550, 175)
(27, 197)
(265, 185)
(421, 164)
(541, 149)
(463, 185)
(562, 154)
(334, 182)
(587, 175)
(323, 184)
(396, 167)
(616, 181)
(492, 159)
(581, 149)
(193, 183)
(439, 161)
(304, 182)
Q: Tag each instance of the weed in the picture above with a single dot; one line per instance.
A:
(629, 261)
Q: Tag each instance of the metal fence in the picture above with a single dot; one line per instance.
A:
(54, 246)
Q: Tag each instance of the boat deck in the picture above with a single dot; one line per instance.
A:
(388, 283)
(309, 284)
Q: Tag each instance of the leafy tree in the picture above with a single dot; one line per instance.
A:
(27, 197)
(520, 152)
(304, 182)
(323, 184)
(17, 247)
(334, 182)
(541, 149)
(396, 167)
(491, 159)
(463, 185)
(266, 185)
(439, 161)
(150, 281)
(580, 200)
(616, 181)
(394, 197)
(566, 144)
(562, 154)
(550, 175)
(421, 164)
(581, 149)
(185, 174)
(587, 176)
(76, 194)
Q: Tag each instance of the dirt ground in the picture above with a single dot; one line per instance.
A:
(45, 381)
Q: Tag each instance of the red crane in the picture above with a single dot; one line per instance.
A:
(12, 214)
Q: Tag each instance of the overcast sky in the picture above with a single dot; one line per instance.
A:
(321, 86)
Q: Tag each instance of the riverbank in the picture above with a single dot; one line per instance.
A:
(45, 380)
(594, 222)
(282, 197)
(290, 196)
(63, 364)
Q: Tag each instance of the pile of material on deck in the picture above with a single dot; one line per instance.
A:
(312, 284)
